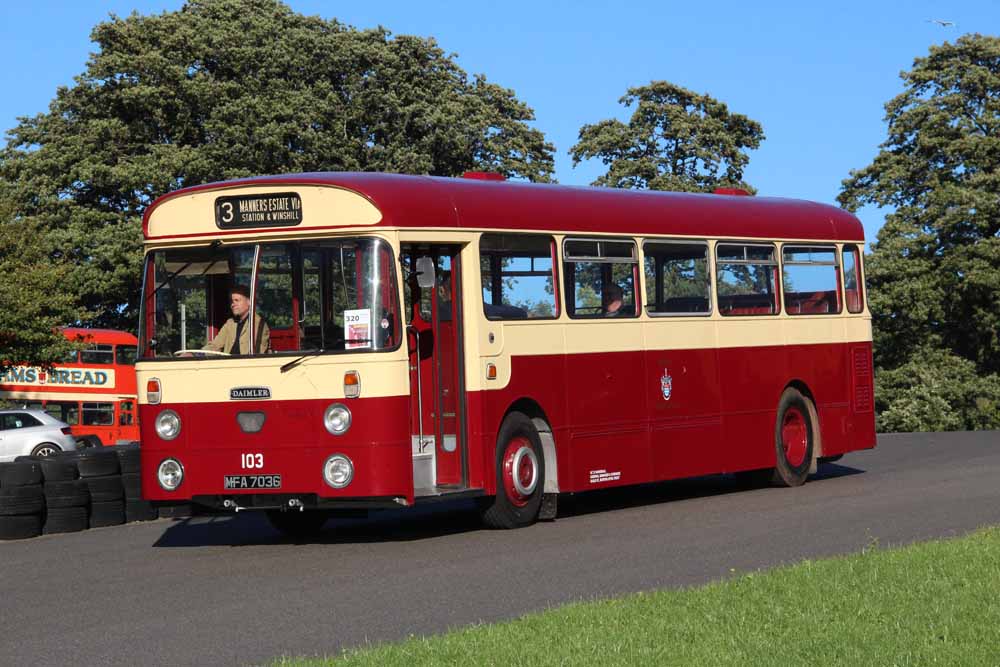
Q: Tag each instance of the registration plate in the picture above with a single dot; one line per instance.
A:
(252, 482)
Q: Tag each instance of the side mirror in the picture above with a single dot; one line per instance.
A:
(425, 272)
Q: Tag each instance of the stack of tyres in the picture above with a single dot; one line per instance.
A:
(22, 502)
(100, 469)
(67, 498)
(136, 509)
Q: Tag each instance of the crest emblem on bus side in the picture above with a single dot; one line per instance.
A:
(666, 385)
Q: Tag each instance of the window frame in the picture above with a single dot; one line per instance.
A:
(775, 262)
(634, 260)
(556, 275)
(837, 269)
(709, 264)
(858, 253)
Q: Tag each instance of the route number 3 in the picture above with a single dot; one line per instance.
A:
(227, 211)
(252, 460)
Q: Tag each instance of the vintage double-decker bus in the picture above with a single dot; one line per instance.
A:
(323, 342)
(93, 390)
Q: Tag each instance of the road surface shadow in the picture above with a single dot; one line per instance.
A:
(433, 520)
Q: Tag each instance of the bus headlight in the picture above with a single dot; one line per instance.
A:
(170, 474)
(337, 419)
(168, 425)
(338, 471)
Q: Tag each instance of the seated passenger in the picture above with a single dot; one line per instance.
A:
(613, 301)
(234, 337)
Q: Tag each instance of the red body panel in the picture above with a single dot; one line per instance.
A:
(293, 442)
(608, 413)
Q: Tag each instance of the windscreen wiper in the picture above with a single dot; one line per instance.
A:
(311, 353)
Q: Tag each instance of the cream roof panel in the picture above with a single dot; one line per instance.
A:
(323, 207)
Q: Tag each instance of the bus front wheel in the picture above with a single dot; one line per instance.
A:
(520, 468)
(793, 439)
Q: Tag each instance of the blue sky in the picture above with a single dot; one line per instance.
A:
(816, 76)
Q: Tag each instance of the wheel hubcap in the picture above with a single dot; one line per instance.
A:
(794, 437)
(520, 471)
(46, 451)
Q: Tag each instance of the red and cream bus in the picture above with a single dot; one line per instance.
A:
(420, 338)
(93, 390)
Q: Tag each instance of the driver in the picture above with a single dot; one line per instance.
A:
(234, 337)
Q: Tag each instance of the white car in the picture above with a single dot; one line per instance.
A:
(34, 432)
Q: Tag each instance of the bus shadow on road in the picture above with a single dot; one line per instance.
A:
(441, 519)
(253, 529)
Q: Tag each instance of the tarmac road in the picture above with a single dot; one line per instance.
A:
(229, 590)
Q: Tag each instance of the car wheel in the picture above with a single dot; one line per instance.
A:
(46, 449)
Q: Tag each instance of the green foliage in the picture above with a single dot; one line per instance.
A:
(33, 293)
(222, 89)
(675, 140)
(936, 391)
(934, 270)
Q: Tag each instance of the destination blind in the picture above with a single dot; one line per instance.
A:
(281, 209)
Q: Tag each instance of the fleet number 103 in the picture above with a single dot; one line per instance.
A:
(252, 461)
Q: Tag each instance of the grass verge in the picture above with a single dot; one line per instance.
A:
(935, 603)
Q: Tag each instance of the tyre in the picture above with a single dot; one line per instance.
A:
(20, 527)
(128, 458)
(111, 513)
(133, 486)
(98, 463)
(69, 493)
(298, 525)
(65, 520)
(20, 473)
(89, 442)
(46, 449)
(18, 500)
(793, 439)
(139, 510)
(105, 489)
(520, 467)
(58, 469)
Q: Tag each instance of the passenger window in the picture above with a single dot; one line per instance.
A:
(518, 277)
(126, 354)
(677, 280)
(98, 414)
(746, 278)
(809, 280)
(63, 411)
(853, 279)
(98, 354)
(600, 277)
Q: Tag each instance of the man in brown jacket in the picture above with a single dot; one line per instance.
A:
(237, 328)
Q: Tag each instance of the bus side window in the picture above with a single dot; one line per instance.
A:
(852, 279)
(518, 277)
(601, 276)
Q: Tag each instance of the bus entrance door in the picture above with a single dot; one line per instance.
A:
(437, 391)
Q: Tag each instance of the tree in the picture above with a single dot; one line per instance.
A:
(228, 88)
(675, 140)
(934, 270)
(35, 301)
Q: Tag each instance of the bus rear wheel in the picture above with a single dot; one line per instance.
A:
(520, 468)
(793, 439)
(298, 525)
